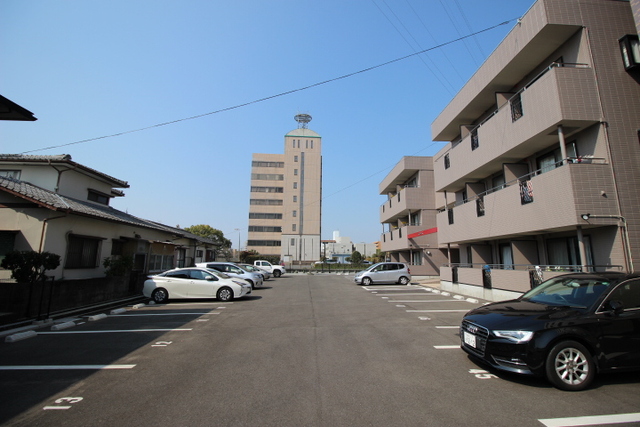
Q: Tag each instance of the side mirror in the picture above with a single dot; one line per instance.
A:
(615, 306)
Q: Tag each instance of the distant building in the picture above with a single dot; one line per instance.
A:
(341, 248)
(541, 166)
(285, 206)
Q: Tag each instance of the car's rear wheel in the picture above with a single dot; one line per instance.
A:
(366, 281)
(570, 366)
(276, 273)
(404, 280)
(160, 296)
(224, 294)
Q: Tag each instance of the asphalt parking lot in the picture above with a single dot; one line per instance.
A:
(311, 350)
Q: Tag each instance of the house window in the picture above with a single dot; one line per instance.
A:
(516, 107)
(475, 143)
(564, 252)
(97, 197)
(14, 174)
(447, 162)
(158, 262)
(416, 258)
(82, 252)
(117, 247)
(7, 242)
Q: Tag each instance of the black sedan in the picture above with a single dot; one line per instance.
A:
(567, 328)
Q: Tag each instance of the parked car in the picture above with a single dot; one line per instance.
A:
(384, 272)
(276, 270)
(234, 270)
(326, 261)
(265, 274)
(194, 283)
(568, 329)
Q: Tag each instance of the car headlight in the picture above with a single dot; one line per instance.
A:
(516, 336)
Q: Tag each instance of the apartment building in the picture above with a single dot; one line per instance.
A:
(285, 201)
(541, 171)
(408, 216)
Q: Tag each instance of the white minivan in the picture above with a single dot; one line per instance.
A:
(384, 272)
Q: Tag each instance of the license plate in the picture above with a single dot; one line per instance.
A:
(469, 339)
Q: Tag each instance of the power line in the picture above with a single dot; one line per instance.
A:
(274, 96)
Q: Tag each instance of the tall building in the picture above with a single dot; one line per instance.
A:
(285, 207)
(541, 171)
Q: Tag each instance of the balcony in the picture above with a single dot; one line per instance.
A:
(539, 202)
(410, 199)
(564, 94)
(397, 240)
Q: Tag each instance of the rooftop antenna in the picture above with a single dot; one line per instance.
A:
(303, 120)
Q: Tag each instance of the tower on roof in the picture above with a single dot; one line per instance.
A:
(303, 120)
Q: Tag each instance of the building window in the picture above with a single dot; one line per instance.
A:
(295, 185)
(450, 215)
(13, 174)
(312, 144)
(261, 164)
(294, 213)
(475, 143)
(306, 143)
(295, 199)
(264, 229)
(82, 252)
(630, 50)
(516, 107)
(266, 202)
(264, 243)
(293, 242)
(159, 262)
(447, 162)
(258, 215)
(295, 158)
(416, 258)
(293, 227)
(97, 197)
(267, 189)
(295, 172)
(267, 177)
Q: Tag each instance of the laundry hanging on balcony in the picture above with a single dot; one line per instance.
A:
(526, 191)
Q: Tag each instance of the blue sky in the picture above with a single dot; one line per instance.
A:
(89, 69)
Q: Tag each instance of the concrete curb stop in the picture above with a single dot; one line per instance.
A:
(20, 336)
(96, 317)
(118, 311)
(64, 325)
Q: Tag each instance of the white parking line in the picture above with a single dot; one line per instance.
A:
(62, 367)
(591, 420)
(401, 294)
(425, 300)
(162, 314)
(437, 311)
(447, 327)
(446, 347)
(115, 331)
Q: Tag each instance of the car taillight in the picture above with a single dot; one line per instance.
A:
(408, 270)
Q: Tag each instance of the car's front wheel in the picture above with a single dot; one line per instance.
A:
(253, 286)
(224, 294)
(570, 366)
(276, 273)
(404, 280)
(366, 281)
(160, 296)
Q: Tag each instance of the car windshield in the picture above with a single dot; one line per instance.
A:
(567, 291)
(220, 274)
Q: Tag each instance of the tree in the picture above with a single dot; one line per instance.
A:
(209, 232)
(356, 258)
(30, 266)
